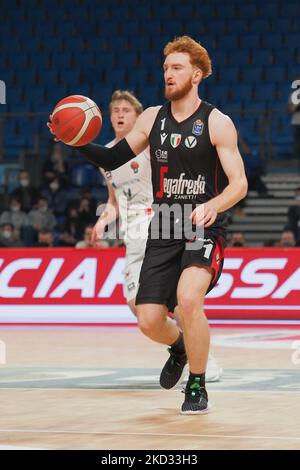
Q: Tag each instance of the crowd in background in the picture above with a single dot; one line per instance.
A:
(48, 216)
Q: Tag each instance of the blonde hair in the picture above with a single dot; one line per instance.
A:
(198, 54)
(127, 96)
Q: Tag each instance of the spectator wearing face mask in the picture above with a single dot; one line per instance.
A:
(14, 215)
(287, 239)
(25, 192)
(57, 197)
(9, 237)
(237, 239)
(42, 217)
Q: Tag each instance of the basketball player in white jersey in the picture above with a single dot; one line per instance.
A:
(130, 198)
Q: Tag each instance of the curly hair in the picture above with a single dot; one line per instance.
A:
(198, 54)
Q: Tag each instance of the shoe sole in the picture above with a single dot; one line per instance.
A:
(199, 412)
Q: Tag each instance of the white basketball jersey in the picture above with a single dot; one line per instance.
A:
(132, 182)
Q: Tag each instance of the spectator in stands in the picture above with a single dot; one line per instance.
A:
(86, 214)
(56, 166)
(86, 242)
(87, 194)
(271, 243)
(56, 196)
(15, 216)
(294, 216)
(70, 231)
(42, 218)
(45, 239)
(287, 239)
(9, 238)
(237, 239)
(25, 192)
(253, 166)
(294, 109)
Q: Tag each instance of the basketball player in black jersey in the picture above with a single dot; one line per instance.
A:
(195, 164)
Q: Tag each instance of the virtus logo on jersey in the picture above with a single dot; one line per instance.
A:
(180, 188)
(190, 142)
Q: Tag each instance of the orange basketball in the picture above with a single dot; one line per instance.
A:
(76, 120)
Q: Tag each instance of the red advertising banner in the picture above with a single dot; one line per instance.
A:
(86, 286)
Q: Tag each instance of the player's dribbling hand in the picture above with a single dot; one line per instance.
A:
(49, 124)
(98, 232)
(204, 214)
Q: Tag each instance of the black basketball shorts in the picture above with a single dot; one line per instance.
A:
(164, 262)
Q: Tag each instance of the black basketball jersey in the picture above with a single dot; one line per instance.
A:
(185, 165)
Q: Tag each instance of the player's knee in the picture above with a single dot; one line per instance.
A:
(187, 306)
(147, 324)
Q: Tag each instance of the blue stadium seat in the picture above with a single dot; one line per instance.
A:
(260, 25)
(143, 44)
(285, 56)
(220, 92)
(250, 40)
(230, 11)
(236, 25)
(171, 26)
(247, 10)
(261, 56)
(220, 58)
(282, 25)
(291, 10)
(151, 59)
(265, 91)
(229, 74)
(241, 91)
(228, 41)
(291, 40)
(252, 73)
(67, 76)
(117, 77)
(239, 57)
(83, 174)
(130, 59)
(272, 40)
(272, 9)
(275, 72)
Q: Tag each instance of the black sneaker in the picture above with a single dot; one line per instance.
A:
(196, 399)
(173, 370)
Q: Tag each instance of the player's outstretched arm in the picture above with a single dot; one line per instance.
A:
(133, 144)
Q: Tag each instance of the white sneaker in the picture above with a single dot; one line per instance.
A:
(213, 370)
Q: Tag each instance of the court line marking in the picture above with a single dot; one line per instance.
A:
(150, 434)
(9, 447)
(142, 390)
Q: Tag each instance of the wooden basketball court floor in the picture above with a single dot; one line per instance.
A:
(97, 388)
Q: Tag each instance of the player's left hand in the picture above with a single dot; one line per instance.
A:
(204, 214)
